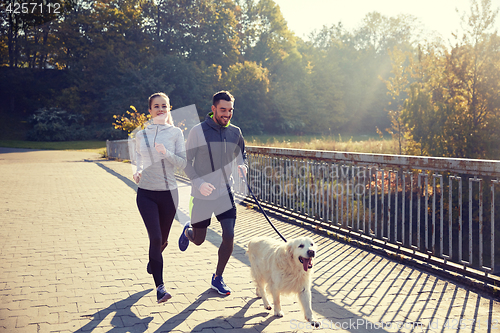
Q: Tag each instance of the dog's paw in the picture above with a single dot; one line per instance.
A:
(267, 306)
(279, 313)
(313, 321)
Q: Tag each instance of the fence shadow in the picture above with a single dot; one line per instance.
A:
(235, 321)
(120, 309)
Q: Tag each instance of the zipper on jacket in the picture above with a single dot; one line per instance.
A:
(156, 133)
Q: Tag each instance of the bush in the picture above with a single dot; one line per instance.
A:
(106, 132)
(55, 124)
(131, 120)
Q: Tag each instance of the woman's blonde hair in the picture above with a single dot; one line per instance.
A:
(169, 119)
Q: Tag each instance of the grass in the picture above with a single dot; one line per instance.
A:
(356, 144)
(60, 145)
(265, 138)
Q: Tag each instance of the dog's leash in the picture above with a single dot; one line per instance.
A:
(262, 210)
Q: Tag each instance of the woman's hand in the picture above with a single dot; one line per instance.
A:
(137, 177)
(160, 148)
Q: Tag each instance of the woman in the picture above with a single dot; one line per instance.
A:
(159, 148)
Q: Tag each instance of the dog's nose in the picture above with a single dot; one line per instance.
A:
(310, 253)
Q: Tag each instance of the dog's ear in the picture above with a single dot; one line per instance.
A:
(289, 249)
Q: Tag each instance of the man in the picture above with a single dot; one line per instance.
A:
(212, 148)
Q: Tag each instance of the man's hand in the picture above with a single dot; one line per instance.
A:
(160, 148)
(242, 170)
(206, 189)
(137, 177)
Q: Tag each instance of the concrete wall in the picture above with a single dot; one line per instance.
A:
(120, 149)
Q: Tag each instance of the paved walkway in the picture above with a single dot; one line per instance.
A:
(73, 255)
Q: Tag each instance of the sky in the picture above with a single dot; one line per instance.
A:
(303, 16)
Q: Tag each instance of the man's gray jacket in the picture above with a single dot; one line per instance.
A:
(212, 151)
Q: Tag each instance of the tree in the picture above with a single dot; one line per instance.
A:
(200, 30)
(474, 64)
(359, 62)
(27, 30)
(249, 83)
(381, 33)
(267, 39)
(451, 107)
(396, 88)
(324, 91)
(99, 42)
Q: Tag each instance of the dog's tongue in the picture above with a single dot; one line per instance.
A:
(306, 262)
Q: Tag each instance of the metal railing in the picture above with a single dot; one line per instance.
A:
(119, 149)
(443, 209)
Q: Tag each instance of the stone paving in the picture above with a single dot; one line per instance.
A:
(73, 255)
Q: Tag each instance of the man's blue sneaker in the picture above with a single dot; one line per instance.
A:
(219, 285)
(162, 295)
(183, 240)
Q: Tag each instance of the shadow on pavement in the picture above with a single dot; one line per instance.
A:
(122, 310)
(236, 321)
(127, 181)
(4, 150)
(335, 313)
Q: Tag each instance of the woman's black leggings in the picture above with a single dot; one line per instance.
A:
(157, 209)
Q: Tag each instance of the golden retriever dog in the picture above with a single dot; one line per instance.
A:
(284, 268)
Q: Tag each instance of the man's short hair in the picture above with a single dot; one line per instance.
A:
(222, 95)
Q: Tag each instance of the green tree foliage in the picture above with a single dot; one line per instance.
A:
(117, 52)
(55, 124)
(95, 58)
(184, 81)
(357, 61)
(289, 99)
(267, 38)
(380, 33)
(268, 42)
(200, 30)
(250, 82)
(107, 44)
(26, 31)
(450, 96)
